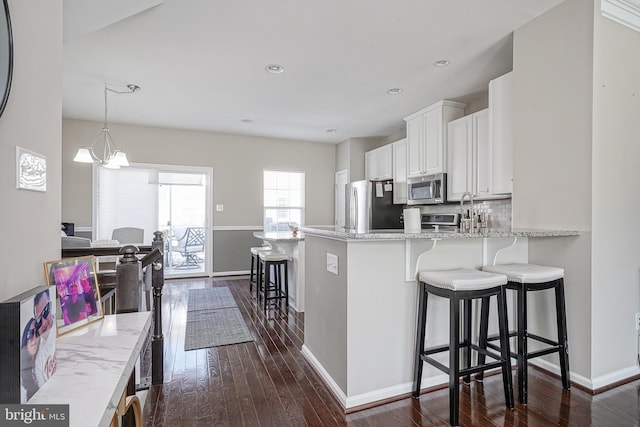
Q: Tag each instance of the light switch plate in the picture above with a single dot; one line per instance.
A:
(219, 208)
(332, 263)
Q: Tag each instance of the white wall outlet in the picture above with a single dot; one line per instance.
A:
(332, 263)
(637, 321)
(219, 208)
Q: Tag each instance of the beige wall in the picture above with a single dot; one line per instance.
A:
(616, 175)
(576, 157)
(351, 155)
(237, 162)
(31, 220)
(552, 157)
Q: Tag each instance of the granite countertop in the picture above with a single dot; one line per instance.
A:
(338, 233)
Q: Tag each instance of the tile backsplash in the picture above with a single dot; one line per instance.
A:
(499, 211)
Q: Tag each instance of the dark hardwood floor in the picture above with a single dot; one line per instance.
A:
(267, 382)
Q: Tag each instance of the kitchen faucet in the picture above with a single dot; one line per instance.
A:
(470, 224)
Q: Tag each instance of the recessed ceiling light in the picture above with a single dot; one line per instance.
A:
(331, 130)
(274, 69)
(395, 91)
(441, 63)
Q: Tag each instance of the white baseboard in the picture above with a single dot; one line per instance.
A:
(230, 273)
(368, 397)
(328, 379)
(593, 383)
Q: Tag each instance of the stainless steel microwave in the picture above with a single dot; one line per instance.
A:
(427, 189)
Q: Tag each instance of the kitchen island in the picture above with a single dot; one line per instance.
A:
(361, 302)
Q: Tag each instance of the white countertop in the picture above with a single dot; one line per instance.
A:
(94, 364)
(279, 236)
(401, 235)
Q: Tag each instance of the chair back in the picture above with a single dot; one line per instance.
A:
(194, 240)
(128, 235)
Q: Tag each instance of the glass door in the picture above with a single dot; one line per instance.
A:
(182, 216)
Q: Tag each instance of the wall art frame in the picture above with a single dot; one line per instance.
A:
(31, 170)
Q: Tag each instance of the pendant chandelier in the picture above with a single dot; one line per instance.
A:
(107, 154)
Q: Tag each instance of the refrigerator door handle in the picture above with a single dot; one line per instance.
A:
(355, 198)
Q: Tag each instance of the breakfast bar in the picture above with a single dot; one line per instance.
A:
(361, 302)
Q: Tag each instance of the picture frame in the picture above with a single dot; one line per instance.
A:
(28, 342)
(31, 170)
(77, 292)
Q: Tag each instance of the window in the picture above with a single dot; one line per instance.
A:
(283, 200)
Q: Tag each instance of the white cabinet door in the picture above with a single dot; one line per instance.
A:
(433, 142)
(501, 133)
(400, 172)
(370, 165)
(415, 128)
(384, 158)
(482, 154)
(460, 154)
(378, 163)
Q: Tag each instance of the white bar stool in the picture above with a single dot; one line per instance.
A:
(254, 263)
(462, 285)
(267, 260)
(524, 278)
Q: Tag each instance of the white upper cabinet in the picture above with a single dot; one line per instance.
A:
(378, 163)
(468, 153)
(400, 171)
(501, 133)
(427, 135)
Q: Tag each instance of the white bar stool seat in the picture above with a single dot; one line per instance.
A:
(527, 273)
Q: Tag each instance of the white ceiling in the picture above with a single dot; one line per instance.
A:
(201, 63)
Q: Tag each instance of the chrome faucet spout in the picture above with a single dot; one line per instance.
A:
(470, 225)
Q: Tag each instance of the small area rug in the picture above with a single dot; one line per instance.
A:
(213, 319)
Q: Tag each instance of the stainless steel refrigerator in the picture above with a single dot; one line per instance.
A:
(369, 206)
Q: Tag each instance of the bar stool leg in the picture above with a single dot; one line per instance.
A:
(484, 331)
(251, 274)
(454, 359)
(286, 283)
(561, 318)
(505, 351)
(420, 331)
(522, 344)
(267, 282)
(258, 278)
(466, 339)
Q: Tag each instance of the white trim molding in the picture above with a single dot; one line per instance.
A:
(625, 12)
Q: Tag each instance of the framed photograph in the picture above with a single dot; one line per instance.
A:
(31, 170)
(78, 296)
(28, 342)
